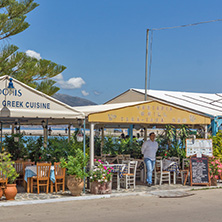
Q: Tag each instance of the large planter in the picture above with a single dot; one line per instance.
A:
(75, 185)
(10, 191)
(213, 181)
(98, 188)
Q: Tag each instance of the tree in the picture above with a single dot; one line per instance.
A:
(31, 71)
(12, 20)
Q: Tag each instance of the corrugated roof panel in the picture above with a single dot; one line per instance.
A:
(208, 103)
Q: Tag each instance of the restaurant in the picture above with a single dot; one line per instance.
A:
(94, 172)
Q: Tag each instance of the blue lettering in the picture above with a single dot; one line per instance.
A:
(13, 103)
(38, 105)
(5, 92)
(9, 103)
(44, 105)
(19, 93)
(21, 104)
(27, 104)
(48, 105)
(17, 103)
(3, 102)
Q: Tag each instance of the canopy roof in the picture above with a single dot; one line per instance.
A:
(148, 112)
(30, 106)
(206, 103)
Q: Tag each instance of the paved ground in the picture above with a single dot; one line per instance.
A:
(204, 206)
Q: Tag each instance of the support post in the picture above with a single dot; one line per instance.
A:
(146, 66)
(131, 132)
(13, 128)
(69, 132)
(45, 131)
(1, 136)
(84, 150)
(92, 125)
(145, 134)
(205, 131)
(102, 142)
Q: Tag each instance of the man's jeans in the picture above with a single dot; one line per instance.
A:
(150, 164)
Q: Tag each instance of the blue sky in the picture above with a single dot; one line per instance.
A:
(102, 44)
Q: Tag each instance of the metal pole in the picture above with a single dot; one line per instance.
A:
(1, 136)
(205, 132)
(84, 150)
(102, 142)
(91, 145)
(146, 66)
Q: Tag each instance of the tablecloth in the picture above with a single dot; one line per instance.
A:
(31, 171)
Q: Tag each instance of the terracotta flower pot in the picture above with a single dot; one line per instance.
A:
(10, 191)
(94, 187)
(75, 185)
(213, 181)
(98, 188)
(1, 192)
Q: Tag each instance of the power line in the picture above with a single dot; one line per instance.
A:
(172, 27)
(182, 26)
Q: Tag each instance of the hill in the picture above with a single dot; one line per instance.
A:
(73, 100)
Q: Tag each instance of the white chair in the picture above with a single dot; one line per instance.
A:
(161, 175)
(129, 179)
(185, 171)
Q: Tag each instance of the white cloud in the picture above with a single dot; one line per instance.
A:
(72, 83)
(84, 93)
(96, 93)
(33, 54)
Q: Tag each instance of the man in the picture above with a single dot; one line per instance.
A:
(149, 149)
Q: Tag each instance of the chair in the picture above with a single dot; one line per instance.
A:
(130, 177)
(3, 180)
(59, 177)
(175, 159)
(185, 171)
(42, 178)
(18, 165)
(160, 174)
(120, 159)
(25, 164)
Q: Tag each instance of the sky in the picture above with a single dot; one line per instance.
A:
(103, 43)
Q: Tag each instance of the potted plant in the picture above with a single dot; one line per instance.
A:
(100, 178)
(7, 169)
(75, 166)
(215, 167)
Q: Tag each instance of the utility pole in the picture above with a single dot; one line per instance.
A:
(146, 66)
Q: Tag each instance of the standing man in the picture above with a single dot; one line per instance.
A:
(149, 149)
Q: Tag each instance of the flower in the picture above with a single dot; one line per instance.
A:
(100, 173)
(215, 167)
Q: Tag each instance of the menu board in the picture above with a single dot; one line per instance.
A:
(199, 147)
(199, 171)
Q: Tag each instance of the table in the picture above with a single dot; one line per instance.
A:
(120, 169)
(171, 166)
(31, 171)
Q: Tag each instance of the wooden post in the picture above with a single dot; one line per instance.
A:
(145, 134)
(69, 132)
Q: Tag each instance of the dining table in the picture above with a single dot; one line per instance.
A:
(118, 169)
(31, 171)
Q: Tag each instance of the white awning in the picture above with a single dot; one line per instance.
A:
(26, 102)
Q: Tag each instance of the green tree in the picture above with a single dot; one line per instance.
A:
(12, 18)
(36, 73)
